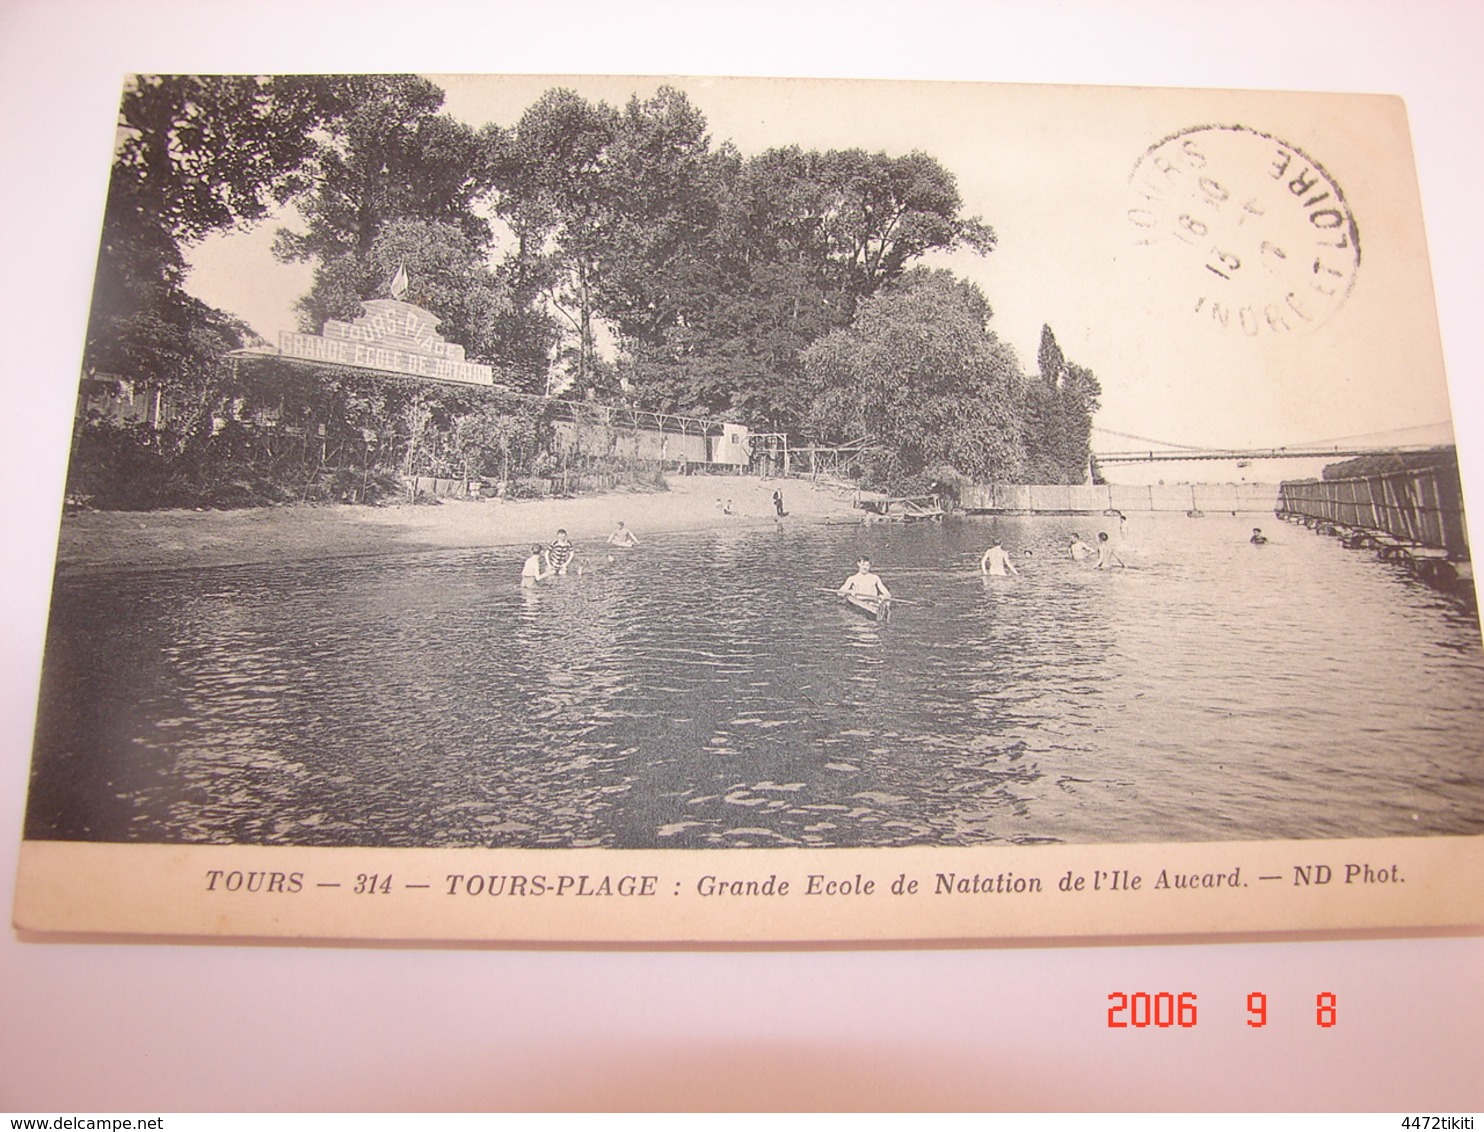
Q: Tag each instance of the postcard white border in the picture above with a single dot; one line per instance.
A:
(168, 890)
(755, 895)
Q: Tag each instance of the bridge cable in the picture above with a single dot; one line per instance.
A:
(1151, 440)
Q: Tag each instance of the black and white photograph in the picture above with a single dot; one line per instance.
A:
(602, 465)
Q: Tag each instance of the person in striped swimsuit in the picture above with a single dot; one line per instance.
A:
(560, 553)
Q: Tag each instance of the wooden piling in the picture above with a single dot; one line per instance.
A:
(1414, 516)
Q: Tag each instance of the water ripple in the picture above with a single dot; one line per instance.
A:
(705, 692)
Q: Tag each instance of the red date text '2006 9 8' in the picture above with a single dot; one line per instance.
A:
(1165, 1010)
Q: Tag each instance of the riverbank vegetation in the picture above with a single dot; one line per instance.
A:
(612, 255)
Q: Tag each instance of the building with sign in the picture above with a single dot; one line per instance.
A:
(392, 336)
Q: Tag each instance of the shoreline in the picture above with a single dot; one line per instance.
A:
(103, 542)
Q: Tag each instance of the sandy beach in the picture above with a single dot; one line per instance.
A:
(159, 540)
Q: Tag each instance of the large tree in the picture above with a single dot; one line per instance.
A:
(1058, 412)
(800, 238)
(196, 155)
(739, 357)
(557, 199)
(855, 220)
(885, 212)
(391, 171)
(920, 375)
(766, 289)
(665, 191)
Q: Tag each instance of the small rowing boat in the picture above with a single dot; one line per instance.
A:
(877, 609)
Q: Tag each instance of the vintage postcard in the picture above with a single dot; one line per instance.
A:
(600, 509)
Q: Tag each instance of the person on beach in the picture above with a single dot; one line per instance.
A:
(727, 510)
(622, 536)
(778, 503)
(1107, 556)
(1079, 550)
(865, 584)
(997, 562)
(1258, 538)
(560, 553)
(535, 568)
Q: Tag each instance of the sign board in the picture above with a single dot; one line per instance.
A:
(391, 335)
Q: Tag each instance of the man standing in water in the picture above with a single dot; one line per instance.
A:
(560, 553)
(865, 584)
(1079, 550)
(1107, 556)
(534, 569)
(622, 536)
(778, 503)
(997, 562)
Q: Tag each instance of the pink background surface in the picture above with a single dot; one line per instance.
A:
(158, 1028)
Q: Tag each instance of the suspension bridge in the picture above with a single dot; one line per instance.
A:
(1410, 512)
(1161, 451)
(1240, 455)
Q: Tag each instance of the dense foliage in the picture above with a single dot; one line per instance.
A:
(601, 252)
(195, 155)
(919, 365)
(1389, 463)
(285, 431)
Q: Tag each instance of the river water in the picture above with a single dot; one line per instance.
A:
(703, 691)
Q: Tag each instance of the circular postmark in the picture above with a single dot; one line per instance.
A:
(1253, 234)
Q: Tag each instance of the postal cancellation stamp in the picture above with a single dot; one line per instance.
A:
(1259, 232)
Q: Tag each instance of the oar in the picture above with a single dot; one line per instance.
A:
(868, 597)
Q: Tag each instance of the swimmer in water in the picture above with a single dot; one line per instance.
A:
(622, 536)
(535, 568)
(997, 562)
(560, 553)
(1079, 550)
(1107, 556)
(1258, 538)
(863, 583)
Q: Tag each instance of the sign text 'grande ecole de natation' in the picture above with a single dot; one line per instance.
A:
(393, 336)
